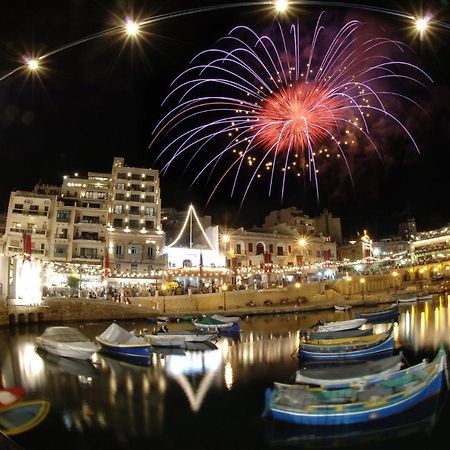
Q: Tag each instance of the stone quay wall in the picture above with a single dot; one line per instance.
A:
(308, 296)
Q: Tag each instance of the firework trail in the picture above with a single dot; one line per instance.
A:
(261, 101)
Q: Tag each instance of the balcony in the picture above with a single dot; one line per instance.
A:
(34, 251)
(89, 237)
(27, 230)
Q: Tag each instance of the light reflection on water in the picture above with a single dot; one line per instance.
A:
(127, 402)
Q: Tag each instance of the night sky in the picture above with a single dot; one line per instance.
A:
(102, 99)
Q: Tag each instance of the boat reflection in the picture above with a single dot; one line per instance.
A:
(77, 367)
(419, 420)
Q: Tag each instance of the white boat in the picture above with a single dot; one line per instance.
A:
(68, 342)
(341, 325)
(425, 297)
(180, 338)
(209, 323)
(407, 299)
(232, 319)
(342, 307)
(343, 375)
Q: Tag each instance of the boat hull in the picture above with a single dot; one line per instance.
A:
(126, 350)
(78, 350)
(359, 354)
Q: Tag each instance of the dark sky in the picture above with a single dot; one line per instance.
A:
(102, 99)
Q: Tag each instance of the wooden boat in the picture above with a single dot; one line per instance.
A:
(342, 307)
(425, 297)
(23, 416)
(321, 335)
(345, 343)
(11, 395)
(209, 323)
(390, 395)
(385, 314)
(120, 342)
(232, 319)
(180, 338)
(66, 341)
(349, 352)
(407, 299)
(347, 374)
(341, 325)
(418, 421)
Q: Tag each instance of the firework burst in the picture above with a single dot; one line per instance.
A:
(262, 100)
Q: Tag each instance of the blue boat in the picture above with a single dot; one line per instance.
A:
(120, 342)
(377, 316)
(352, 352)
(393, 394)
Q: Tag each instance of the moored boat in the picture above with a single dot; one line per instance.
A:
(23, 416)
(392, 394)
(375, 349)
(425, 297)
(341, 325)
(321, 335)
(209, 323)
(385, 314)
(347, 374)
(232, 319)
(342, 307)
(120, 342)
(180, 338)
(407, 298)
(66, 341)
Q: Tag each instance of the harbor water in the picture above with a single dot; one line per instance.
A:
(209, 397)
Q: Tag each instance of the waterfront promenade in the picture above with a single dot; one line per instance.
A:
(355, 290)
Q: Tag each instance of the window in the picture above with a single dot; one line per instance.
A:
(95, 195)
(34, 209)
(118, 222)
(134, 210)
(118, 266)
(122, 175)
(63, 216)
(134, 198)
(250, 247)
(120, 186)
(118, 209)
(18, 206)
(150, 178)
(135, 187)
(132, 250)
(259, 248)
(238, 249)
(149, 224)
(135, 176)
(118, 250)
(150, 252)
(150, 188)
(289, 249)
(134, 267)
(280, 251)
(60, 251)
(270, 248)
(149, 211)
(187, 263)
(120, 196)
(134, 224)
(150, 199)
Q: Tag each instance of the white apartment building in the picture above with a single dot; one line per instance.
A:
(135, 237)
(104, 219)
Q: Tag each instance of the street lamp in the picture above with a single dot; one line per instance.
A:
(395, 275)
(348, 280)
(224, 289)
(164, 288)
(362, 281)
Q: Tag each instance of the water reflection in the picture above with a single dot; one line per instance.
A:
(127, 401)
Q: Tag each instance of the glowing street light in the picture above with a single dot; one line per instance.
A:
(421, 24)
(32, 64)
(362, 281)
(281, 5)
(131, 28)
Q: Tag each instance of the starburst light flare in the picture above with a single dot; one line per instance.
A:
(261, 102)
